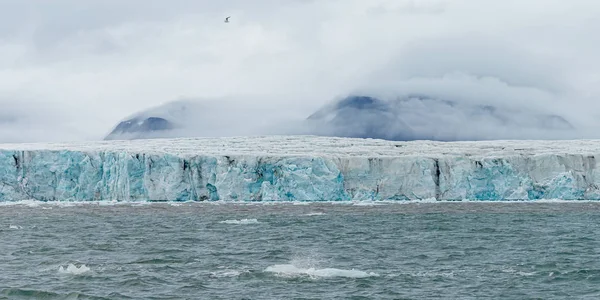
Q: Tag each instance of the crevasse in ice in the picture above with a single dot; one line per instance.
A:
(299, 168)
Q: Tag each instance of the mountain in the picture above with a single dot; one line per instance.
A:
(152, 123)
(409, 117)
(417, 117)
(205, 118)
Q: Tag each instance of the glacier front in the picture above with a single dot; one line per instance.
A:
(302, 168)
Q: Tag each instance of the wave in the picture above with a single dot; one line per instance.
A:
(290, 270)
(226, 273)
(19, 293)
(241, 222)
(517, 272)
(30, 203)
(50, 204)
(315, 214)
(368, 203)
(74, 270)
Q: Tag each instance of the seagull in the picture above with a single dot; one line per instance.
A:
(227, 19)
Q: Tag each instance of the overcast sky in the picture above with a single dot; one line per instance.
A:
(71, 69)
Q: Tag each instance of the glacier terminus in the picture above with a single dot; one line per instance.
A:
(299, 168)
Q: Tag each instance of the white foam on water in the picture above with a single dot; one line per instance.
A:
(366, 203)
(73, 270)
(553, 201)
(29, 203)
(60, 204)
(434, 274)
(289, 270)
(240, 222)
(517, 272)
(427, 274)
(142, 203)
(265, 202)
(226, 273)
(315, 214)
(14, 226)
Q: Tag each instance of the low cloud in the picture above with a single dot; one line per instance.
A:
(72, 70)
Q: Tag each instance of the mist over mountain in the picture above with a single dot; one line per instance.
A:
(396, 69)
(444, 89)
(208, 118)
(419, 117)
(402, 118)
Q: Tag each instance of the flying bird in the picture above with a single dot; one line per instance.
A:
(227, 19)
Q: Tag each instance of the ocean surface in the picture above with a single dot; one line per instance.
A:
(462, 250)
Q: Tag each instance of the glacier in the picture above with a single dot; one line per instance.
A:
(299, 168)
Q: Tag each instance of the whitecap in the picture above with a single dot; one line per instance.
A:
(29, 203)
(141, 203)
(293, 271)
(14, 226)
(108, 203)
(240, 222)
(314, 214)
(364, 203)
(226, 273)
(74, 270)
(433, 274)
(520, 273)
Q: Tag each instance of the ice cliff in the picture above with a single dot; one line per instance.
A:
(299, 168)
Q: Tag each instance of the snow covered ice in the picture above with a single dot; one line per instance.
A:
(299, 168)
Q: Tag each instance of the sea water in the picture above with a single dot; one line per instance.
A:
(462, 250)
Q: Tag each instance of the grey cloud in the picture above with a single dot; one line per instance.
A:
(410, 7)
(25, 120)
(92, 63)
(477, 56)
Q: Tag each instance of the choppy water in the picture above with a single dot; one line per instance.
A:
(286, 251)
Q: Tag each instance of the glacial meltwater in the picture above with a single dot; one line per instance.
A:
(361, 250)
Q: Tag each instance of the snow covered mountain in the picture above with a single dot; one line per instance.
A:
(142, 126)
(152, 123)
(409, 117)
(416, 117)
(194, 118)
